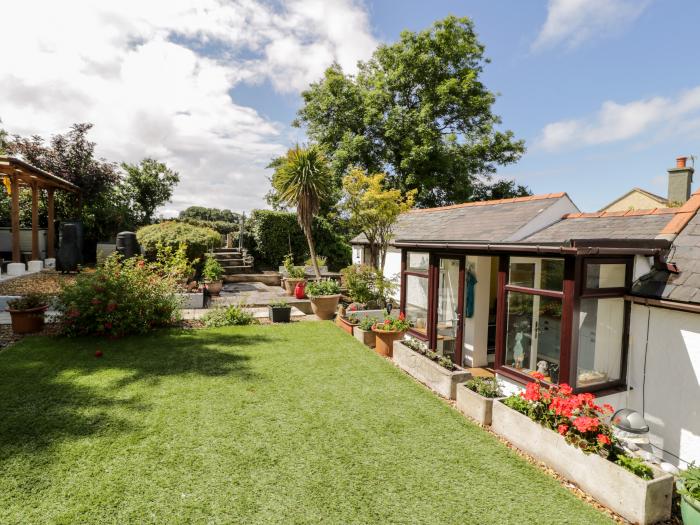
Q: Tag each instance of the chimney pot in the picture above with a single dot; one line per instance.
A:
(680, 162)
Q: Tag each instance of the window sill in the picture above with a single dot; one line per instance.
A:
(524, 378)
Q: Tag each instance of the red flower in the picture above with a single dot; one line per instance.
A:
(608, 409)
(141, 264)
(111, 306)
(108, 325)
(603, 439)
(95, 300)
(563, 429)
(73, 312)
(402, 317)
(532, 392)
(98, 353)
(387, 321)
(565, 389)
(537, 376)
(585, 424)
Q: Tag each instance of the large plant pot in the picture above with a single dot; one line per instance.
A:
(690, 509)
(438, 378)
(28, 321)
(343, 323)
(475, 405)
(290, 284)
(635, 499)
(215, 287)
(366, 337)
(280, 314)
(324, 306)
(384, 341)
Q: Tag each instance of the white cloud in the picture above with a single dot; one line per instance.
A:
(616, 122)
(155, 79)
(573, 22)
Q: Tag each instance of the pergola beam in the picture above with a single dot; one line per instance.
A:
(14, 214)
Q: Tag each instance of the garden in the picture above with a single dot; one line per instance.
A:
(255, 424)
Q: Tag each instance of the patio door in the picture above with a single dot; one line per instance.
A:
(449, 307)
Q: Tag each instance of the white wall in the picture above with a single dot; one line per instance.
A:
(476, 328)
(667, 389)
(25, 240)
(392, 270)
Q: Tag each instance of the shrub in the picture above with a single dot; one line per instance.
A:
(222, 227)
(415, 345)
(279, 303)
(27, 302)
(322, 287)
(366, 285)
(293, 272)
(123, 296)
(228, 316)
(690, 482)
(635, 466)
(212, 270)
(174, 263)
(366, 323)
(484, 387)
(274, 234)
(198, 240)
(393, 324)
(320, 259)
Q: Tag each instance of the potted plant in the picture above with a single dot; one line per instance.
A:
(475, 398)
(392, 329)
(348, 322)
(295, 274)
(27, 313)
(212, 273)
(363, 331)
(280, 311)
(324, 295)
(689, 489)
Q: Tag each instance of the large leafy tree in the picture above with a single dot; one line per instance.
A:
(147, 186)
(302, 179)
(209, 214)
(373, 209)
(416, 110)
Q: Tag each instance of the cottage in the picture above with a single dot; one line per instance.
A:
(606, 302)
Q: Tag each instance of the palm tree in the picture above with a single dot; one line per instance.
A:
(303, 179)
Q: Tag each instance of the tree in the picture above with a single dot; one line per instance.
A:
(502, 189)
(303, 180)
(147, 186)
(373, 210)
(209, 214)
(416, 110)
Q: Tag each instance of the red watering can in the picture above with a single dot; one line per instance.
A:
(299, 291)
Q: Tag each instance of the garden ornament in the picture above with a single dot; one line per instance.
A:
(518, 352)
(542, 367)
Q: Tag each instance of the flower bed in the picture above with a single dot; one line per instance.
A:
(435, 376)
(475, 398)
(566, 431)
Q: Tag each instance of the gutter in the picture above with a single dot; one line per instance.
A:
(663, 303)
(537, 249)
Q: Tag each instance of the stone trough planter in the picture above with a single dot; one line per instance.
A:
(366, 337)
(189, 300)
(475, 405)
(437, 378)
(635, 499)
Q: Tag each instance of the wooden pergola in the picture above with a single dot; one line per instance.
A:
(22, 174)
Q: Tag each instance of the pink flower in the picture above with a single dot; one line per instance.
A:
(603, 439)
(537, 376)
(563, 429)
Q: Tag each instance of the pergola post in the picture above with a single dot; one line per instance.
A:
(14, 214)
(35, 222)
(50, 234)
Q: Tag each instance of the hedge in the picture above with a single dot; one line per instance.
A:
(222, 227)
(171, 233)
(274, 234)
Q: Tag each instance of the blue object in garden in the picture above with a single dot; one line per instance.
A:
(471, 291)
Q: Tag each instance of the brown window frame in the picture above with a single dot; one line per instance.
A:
(425, 337)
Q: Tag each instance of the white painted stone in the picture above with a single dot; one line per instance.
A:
(15, 269)
(50, 263)
(635, 499)
(438, 379)
(35, 266)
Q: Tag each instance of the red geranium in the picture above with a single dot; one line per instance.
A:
(603, 439)
(585, 424)
(563, 429)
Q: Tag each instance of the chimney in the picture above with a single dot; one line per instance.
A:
(679, 182)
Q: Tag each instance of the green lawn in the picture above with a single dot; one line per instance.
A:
(262, 424)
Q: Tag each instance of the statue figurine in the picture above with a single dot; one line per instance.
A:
(542, 367)
(518, 352)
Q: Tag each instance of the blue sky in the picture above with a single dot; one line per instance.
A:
(606, 93)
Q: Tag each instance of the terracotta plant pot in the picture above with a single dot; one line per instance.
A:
(324, 306)
(215, 287)
(28, 321)
(384, 341)
(290, 284)
(343, 323)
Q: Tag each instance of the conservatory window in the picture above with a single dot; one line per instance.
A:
(600, 341)
(416, 307)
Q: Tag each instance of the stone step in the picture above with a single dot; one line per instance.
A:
(232, 270)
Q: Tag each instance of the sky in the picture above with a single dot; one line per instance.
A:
(605, 93)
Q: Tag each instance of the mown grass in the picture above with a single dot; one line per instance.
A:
(262, 424)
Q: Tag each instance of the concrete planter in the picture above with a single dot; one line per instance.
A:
(366, 337)
(437, 378)
(189, 300)
(324, 306)
(475, 405)
(635, 499)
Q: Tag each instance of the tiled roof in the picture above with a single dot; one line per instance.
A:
(483, 221)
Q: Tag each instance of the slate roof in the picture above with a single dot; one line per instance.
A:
(685, 285)
(603, 226)
(483, 221)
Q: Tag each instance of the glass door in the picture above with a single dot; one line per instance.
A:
(450, 304)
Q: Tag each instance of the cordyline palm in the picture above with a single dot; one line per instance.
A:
(303, 179)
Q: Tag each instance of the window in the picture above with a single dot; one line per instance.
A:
(532, 272)
(416, 307)
(605, 275)
(600, 339)
(417, 261)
